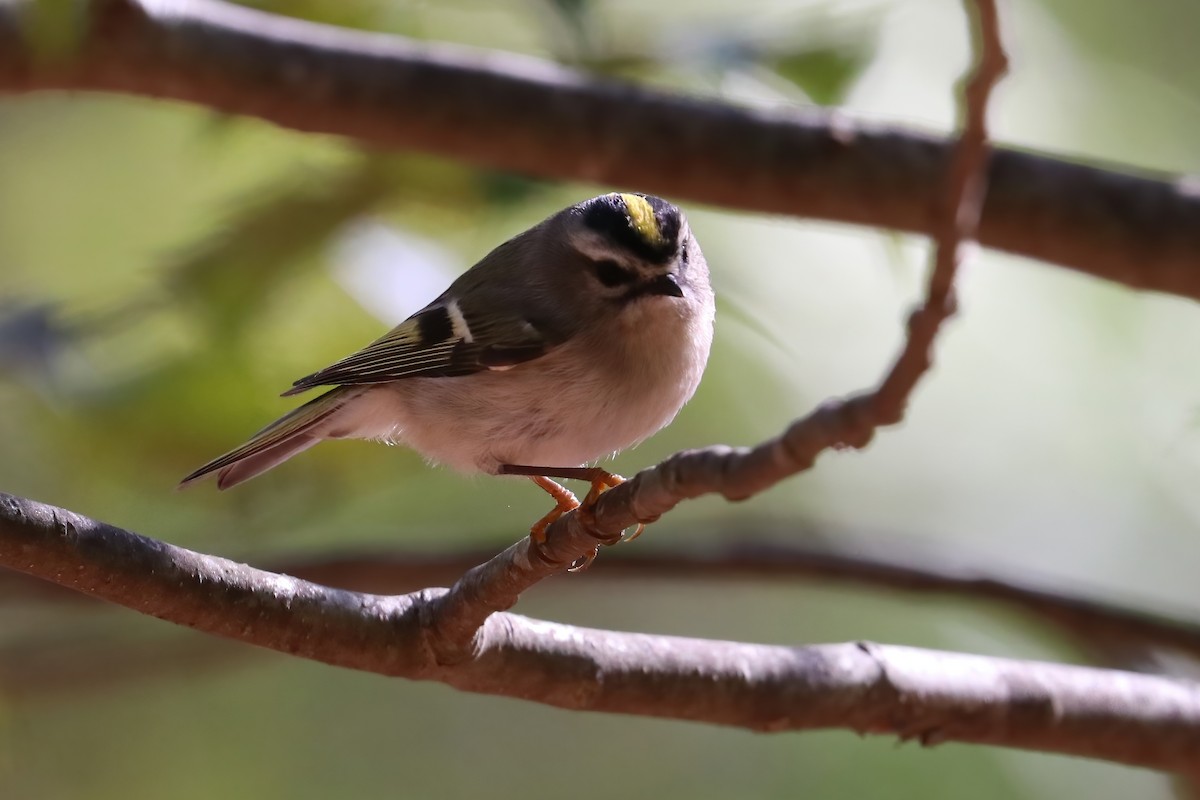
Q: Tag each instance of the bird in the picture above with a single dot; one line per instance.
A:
(568, 343)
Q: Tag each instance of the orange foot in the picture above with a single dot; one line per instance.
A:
(601, 481)
(565, 499)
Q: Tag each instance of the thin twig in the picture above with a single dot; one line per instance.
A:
(520, 114)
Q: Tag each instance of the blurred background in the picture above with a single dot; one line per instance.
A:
(166, 271)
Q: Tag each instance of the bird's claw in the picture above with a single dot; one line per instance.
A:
(565, 501)
(600, 485)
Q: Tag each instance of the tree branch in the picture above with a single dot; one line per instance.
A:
(915, 694)
(515, 113)
(1089, 620)
(1095, 624)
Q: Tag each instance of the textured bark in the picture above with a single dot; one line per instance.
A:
(521, 114)
(914, 694)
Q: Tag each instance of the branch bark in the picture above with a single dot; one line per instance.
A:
(914, 694)
(1093, 622)
(1101, 628)
(514, 113)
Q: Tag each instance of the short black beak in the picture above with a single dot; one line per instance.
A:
(667, 285)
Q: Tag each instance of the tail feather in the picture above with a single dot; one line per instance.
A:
(258, 463)
(292, 433)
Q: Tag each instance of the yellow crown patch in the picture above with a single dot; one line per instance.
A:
(641, 216)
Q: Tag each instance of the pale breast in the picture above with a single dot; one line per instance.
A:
(582, 402)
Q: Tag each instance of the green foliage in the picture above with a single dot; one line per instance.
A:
(576, 20)
(53, 28)
(824, 73)
(228, 277)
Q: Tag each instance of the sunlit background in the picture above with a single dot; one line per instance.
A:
(166, 271)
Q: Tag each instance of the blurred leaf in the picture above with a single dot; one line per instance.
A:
(228, 277)
(823, 63)
(33, 337)
(36, 339)
(576, 20)
(825, 73)
(360, 14)
(1154, 38)
(507, 189)
(53, 27)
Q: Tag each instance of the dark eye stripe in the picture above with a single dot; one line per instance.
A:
(612, 274)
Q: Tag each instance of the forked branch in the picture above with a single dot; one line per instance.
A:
(929, 696)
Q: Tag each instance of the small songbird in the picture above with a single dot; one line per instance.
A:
(568, 343)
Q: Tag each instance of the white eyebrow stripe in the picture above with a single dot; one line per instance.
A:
(458, 322)
(597, 248)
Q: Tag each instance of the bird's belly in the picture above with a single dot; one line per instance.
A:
(549, 413)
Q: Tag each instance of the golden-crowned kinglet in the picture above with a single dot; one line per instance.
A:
(570, 342)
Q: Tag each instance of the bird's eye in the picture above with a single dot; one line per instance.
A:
(612, 274)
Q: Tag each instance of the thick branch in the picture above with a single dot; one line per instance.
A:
(520, 114)
(930, 696)
(1092, 622)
